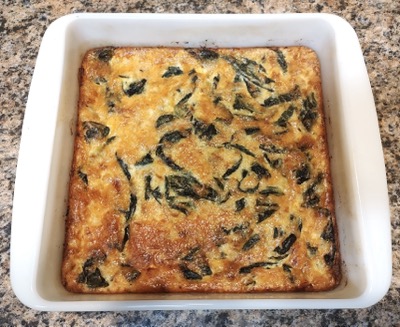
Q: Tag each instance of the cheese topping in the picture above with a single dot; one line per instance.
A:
(200, 170)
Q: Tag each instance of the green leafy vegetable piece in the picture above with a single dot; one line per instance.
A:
(310, 196)
(251, 242)
(328, 234)
(105, 54)
(94, 131)
(83, 177)
(259, 170)
(132, 207)
(249, 268)
(240, 104)
(281, 60)
(124, 167)
(146, 160)
(329, 258)
(164, 119)
(167, 160)
(302, 174)
(151, 192)
(286, 244)
(309, 113)
(284, 118)
(232, 169)
(240, 204)
(239, 147)
(135, 88)
(216, 80)
(190, 256)
(189, 274)
(126, 237)
(266, 213)
(91, 275)
(251, 130)
(172, 137)
(271, 190)
(172, 71)
(282, 98)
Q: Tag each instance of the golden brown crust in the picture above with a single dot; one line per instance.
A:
(200, 170)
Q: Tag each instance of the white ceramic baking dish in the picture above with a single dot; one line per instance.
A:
(47, 143)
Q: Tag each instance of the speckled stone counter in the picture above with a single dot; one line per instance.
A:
(22, 25)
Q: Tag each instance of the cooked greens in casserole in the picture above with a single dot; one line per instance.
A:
(200, 170)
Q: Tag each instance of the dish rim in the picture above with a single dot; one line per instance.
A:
(371, 294)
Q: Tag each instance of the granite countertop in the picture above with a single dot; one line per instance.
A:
(22, 25)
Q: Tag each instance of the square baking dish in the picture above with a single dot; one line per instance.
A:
(358, 171)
